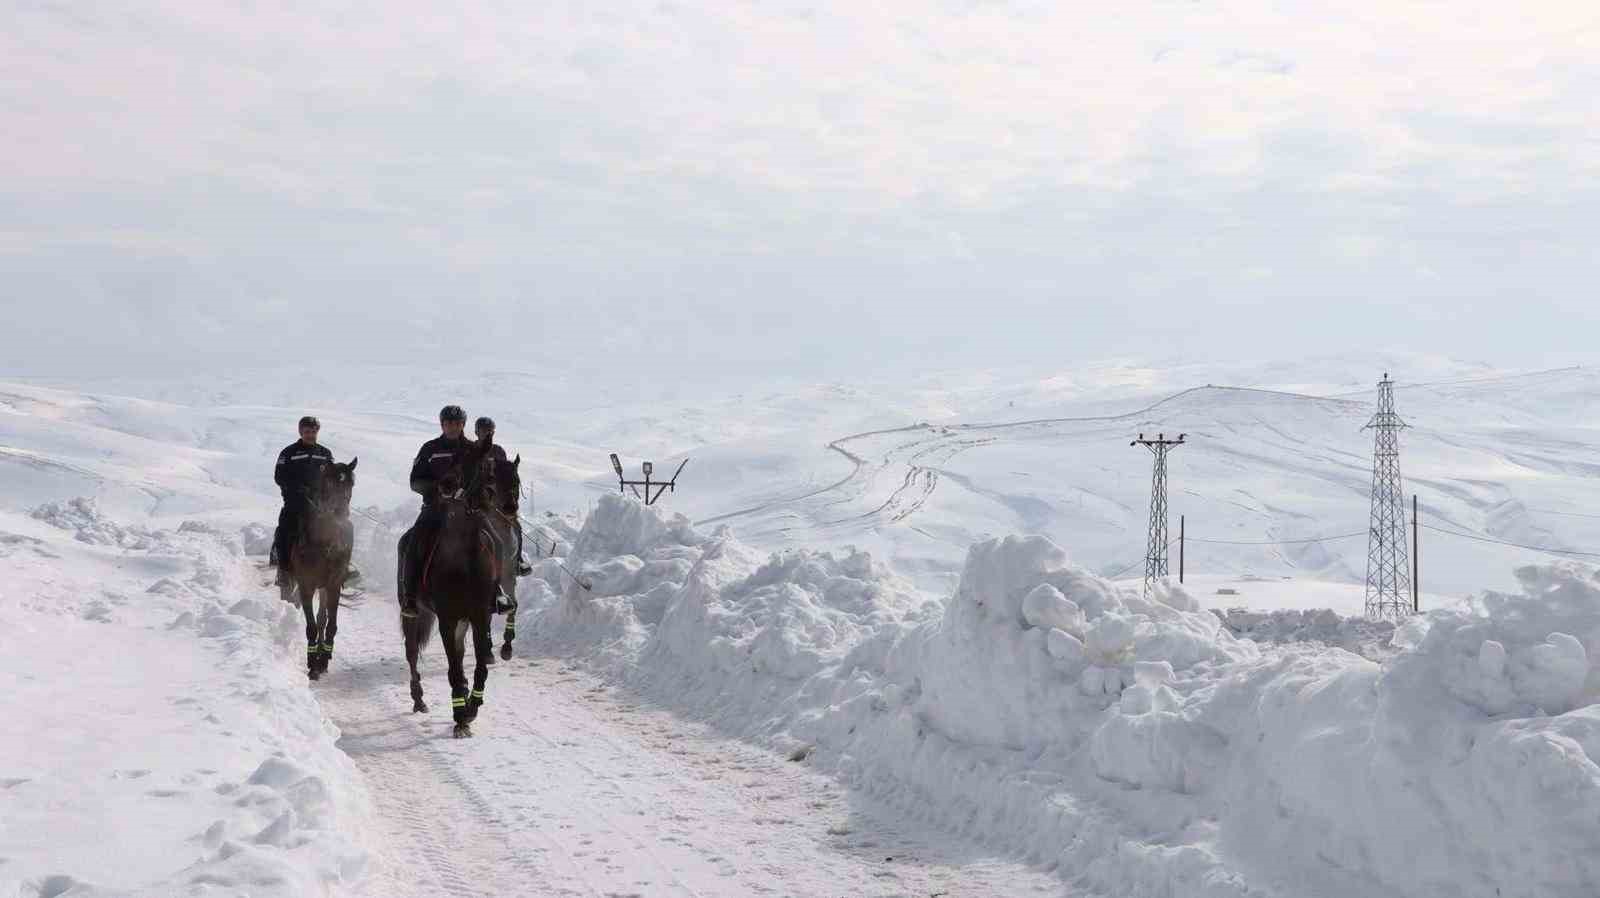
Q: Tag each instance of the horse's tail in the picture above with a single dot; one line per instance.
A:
(423, 623)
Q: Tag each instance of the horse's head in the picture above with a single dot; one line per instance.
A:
(335, 486)
(481, 487)
(508, 484)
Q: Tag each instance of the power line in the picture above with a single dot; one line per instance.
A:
(1128, 568)
(1567, 514)
(1276, 542)
(1501, 542)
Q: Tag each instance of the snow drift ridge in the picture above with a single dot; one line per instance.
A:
(1134, 742)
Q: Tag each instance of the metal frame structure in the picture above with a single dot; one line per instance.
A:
(1155, 556)
(659, 486)
(1390, 592)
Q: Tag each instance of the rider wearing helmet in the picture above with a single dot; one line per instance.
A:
(483, 429)
(299, 466)
(433, 475)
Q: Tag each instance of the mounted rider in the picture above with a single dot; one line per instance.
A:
(435, 474)
(299, 467)
(483, 429)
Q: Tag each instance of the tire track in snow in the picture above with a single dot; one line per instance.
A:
(859, 481)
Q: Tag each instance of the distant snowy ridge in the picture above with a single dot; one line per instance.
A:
(1134, 744)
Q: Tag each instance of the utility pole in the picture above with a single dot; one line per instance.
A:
(1389, 583)
(652, 488)
(1416, 557)
(1155, 556)
(1180, 548)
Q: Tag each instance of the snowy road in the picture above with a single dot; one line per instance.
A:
(571, 788)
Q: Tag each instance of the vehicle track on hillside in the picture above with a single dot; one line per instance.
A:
(922, 456)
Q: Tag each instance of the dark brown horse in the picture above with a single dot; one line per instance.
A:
(319, 559)
(502, 519)
(457, 590)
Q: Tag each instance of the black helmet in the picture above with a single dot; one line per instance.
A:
(310, 421)
(452, 413)
(484, 423)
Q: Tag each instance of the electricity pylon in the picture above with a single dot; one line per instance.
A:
(1155, 556)
(1388, 567)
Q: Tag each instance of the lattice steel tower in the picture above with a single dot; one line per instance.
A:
(1155, 556)
(1388, 567)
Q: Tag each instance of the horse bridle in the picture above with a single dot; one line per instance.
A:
(473, 483)
(315, 503)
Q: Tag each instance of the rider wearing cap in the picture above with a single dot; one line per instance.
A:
(299, 466)
(483, 429)
(434, 473)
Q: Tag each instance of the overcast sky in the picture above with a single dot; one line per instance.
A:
(806, 189)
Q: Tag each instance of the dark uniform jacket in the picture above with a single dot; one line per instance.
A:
(299, 466)
(437, 457)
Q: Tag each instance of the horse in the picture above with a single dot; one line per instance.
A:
(319, 558)
(457, 591)
(502, 520)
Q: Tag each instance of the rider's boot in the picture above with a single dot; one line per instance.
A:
(502, 602)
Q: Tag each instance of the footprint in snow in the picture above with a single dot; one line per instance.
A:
(53, 886)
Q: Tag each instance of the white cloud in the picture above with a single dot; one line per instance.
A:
(617, 157)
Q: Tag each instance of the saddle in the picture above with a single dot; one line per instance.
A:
(413, 552)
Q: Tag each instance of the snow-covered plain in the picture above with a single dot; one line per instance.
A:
(932, 661)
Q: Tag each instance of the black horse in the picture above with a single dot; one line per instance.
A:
(457, 590)
(502, 519)
(319, 559)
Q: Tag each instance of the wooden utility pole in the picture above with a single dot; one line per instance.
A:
(1416, 559)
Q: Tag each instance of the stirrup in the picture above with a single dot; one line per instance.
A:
(409, 612)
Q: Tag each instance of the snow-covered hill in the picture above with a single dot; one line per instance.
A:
(915, 472)
(1130, 746)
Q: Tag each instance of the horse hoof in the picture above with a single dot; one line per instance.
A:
(419, 707)
(463, 731)
(489, 658)
(313, 673)
(505, 652)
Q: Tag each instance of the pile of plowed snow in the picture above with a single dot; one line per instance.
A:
(161, 738)
(1134, 742)
(1371, 639)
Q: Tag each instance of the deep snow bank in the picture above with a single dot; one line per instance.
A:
(1134, 742)
(160, 738)
(1371, 639)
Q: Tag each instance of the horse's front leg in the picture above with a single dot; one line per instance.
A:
(454, 631)
(308, 594)
(483, 650)
(330, 615)
(510, 635)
